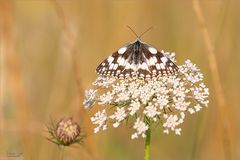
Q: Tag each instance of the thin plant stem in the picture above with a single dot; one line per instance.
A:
(61, 152)
(147, 145)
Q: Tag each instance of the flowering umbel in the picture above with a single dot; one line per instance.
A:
(164, 99)
(65, 132)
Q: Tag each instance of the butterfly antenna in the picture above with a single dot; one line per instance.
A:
(133, 32)
(145, 32)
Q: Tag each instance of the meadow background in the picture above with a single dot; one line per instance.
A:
(49, 51)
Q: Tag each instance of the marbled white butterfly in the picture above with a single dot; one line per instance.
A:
(137, 59)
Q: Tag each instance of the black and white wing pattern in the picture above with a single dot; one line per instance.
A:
(137, 60)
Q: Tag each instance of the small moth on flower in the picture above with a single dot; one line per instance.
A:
(142, 84)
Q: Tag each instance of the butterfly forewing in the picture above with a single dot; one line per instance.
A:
(137, 60)
(115, 64)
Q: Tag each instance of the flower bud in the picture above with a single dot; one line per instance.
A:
(65, 132)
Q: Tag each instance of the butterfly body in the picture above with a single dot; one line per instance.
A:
(136, 55)
(137, 59)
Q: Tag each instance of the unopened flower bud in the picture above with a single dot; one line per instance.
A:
(65, 132)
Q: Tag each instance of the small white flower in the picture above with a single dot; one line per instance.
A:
(172, 121)
(122, 96)
(106, 98)
(162, 101)
(151, 111)
(171, 56)
(180, 104)
(118, 115)
(104, 81)
(134, 107)
(191, 111)
(178, 131)
(134, 136)
(166, 131)
(201, 93)
(197, 107)
(140, 127)
(90, 94)
(191, 72)
(119, 87)
(179, 90)
(100, 119)
(146, 93)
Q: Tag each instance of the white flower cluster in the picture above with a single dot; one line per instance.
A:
(165, 99)
(100, 119)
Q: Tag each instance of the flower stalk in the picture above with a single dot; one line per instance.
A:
(147, 144)
(61, 152)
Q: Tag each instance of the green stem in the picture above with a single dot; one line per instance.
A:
(147, 144)
(61, 152)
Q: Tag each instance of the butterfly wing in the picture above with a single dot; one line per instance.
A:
(116, 64)
(157, 63)
(150, 63)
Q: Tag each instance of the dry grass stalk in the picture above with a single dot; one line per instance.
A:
(224, 118)
(70, 45)
(14, 77)
(2, 91)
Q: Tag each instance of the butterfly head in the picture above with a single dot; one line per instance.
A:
(138, 40)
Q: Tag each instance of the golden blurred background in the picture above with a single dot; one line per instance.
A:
(49, 51)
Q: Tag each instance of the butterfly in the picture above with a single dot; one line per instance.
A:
(137, 59)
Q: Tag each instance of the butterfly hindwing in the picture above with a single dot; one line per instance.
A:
(157, 62)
